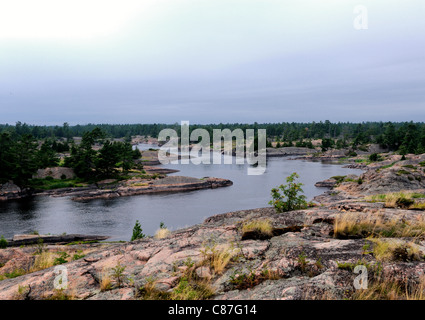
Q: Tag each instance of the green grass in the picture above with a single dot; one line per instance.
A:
(409, 166)
(50, 184)
(400, 172)
(15, 273)
(350, 265)
(418, 206)
(338, 179)
(388, 166)
(82, 242)
(391, 199)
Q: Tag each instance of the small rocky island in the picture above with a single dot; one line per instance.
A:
(375, 221)
(150, 178)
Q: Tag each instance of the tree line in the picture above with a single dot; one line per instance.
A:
(25, 148)
(404, 136)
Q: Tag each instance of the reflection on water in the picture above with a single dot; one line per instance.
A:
(116, 217)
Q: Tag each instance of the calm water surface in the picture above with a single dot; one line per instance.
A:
(116, 217)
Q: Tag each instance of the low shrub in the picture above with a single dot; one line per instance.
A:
(3, 242)
(290, 199)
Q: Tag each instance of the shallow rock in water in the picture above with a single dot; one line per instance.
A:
(10, 191)
(328, 183)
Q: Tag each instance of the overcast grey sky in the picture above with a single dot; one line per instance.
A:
(110, 61)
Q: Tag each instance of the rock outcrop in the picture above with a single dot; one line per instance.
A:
(55, 173)
(10, 191)
(391, 175)
(167, 184)
(303, 254)
(305, 262)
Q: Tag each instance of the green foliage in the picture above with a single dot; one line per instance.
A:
(304, 144)
(40, 247)
(388, 165)
(46, 155)
(21, 156)
(245, 279)
(3, 242)
(89, 163)
(409, 166)
(404, 202)
(375, 157)
(14, 274)
(302, 261)
(327, 144)
(290, 198)
(49, 183)
(117, 273)
(78, 255)
(136, 154)
(350, 266)
(18, 158)
(137, 231)
(338, 179)
(63, 256)
(400, 172)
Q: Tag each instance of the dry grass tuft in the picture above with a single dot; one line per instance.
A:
(105, 280)
(263, 226)
(162, 233)
(391, 250)
(375, 225)
(218, 258)
(403, 199)
(391, 289)
(44, 260)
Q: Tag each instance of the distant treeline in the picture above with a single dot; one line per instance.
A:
(25, 148)
(405, 137)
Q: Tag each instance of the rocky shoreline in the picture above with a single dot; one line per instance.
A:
(127, 188)
(303, 256)
(112, 188)
(168, 184)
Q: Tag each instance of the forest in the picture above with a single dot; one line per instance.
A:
(25, 148)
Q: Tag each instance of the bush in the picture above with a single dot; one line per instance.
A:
(290, 199)
(338, 179)
(63, 256)
(118, 274)
(375, 157)
(137, 232)
(3, 243)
